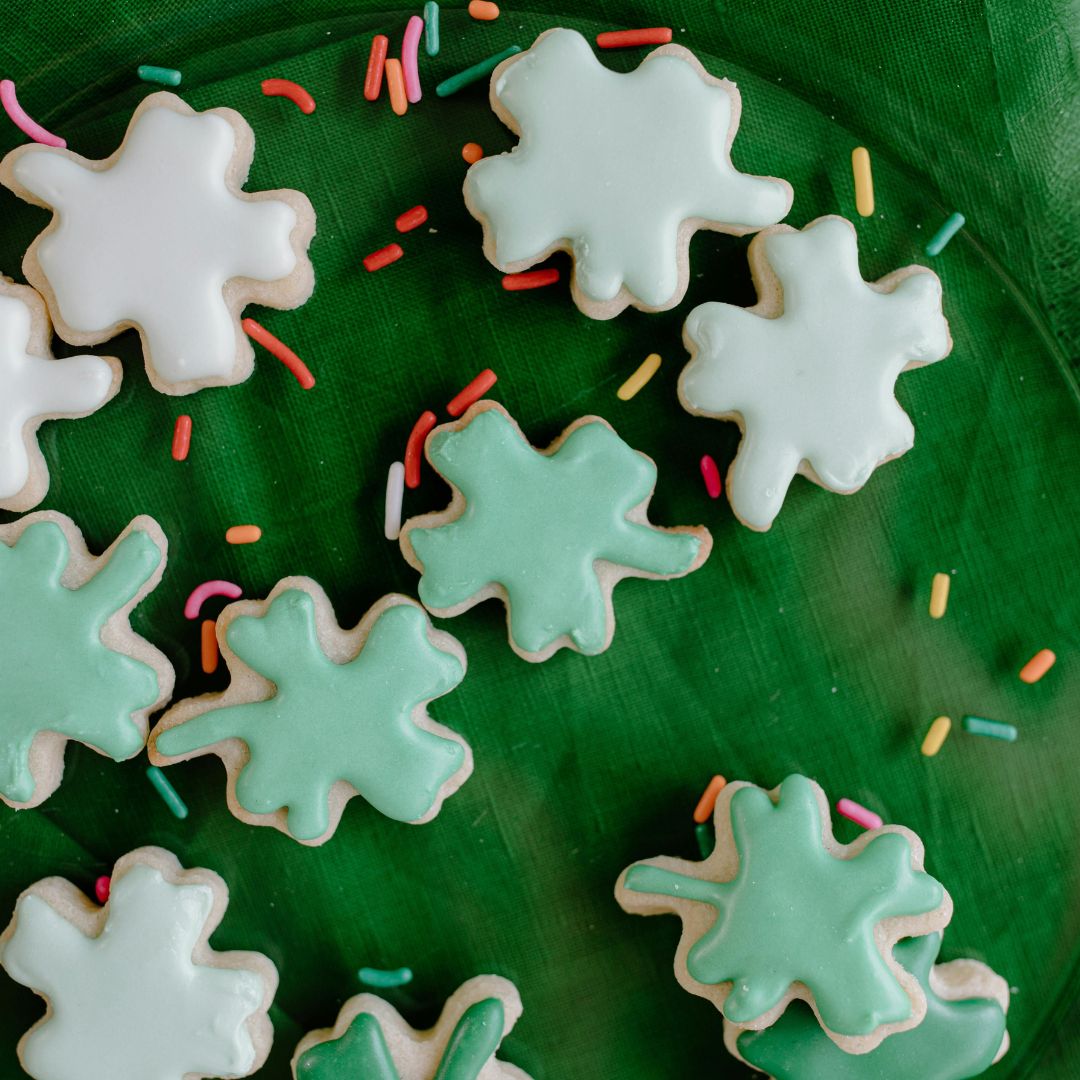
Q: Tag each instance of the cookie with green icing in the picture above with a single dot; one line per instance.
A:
(961, 1036)
(315, 714)
(780, 910)
(71, 666)
(370, 1040)
(549, 532)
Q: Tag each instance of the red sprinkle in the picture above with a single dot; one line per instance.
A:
(181, 438)
(293, 91)
(411, 219)
(383, 257)
(375, 66)
(473, 392)
(280, 350)
(531, 279)
(626, 39)
(414, 447)
(711, 475)
(101, 888)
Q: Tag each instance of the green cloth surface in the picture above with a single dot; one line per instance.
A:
(807, 649)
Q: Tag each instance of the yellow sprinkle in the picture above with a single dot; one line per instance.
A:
(649, 367)
(936, 736)
(864, 180)
(939, 595)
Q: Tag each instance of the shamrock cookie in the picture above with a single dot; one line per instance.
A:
(962, 1034)
(619, 170)
(808, 372)
(781, 911)
(372, 1041)
(134, 989)
(71, 667)
(548, 532)
(315, 714)
(160, 237)
(35, 387)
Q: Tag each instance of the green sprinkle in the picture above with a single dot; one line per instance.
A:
(167, 792)
(992, 729)
(475, 73)
(384, 980)
(165, 76)
(953, 224)
(704, 840)
(431, 28)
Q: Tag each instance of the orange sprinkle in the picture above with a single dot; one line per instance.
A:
(626, 39)
(707, 803)
(209, 646)
(472, 152)
(181, 438)
(278, 349)
(243, 534)
(411, 219)
(483, 10)
(421, 430)
(473, 392)
(375, 66)
(1037, 666)
(383, 257)
(395, 83)
(530, 279)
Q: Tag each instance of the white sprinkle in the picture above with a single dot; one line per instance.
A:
(395, 491)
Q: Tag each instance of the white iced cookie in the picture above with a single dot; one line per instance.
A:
(133, 988)
(619, 170)
(808, 373)
(159, 236)
(35, 387)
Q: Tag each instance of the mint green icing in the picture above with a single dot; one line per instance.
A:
(537, 524)
(796, 913)
(956, 1040)
(360, 1054)
(473, 1041)
(328, 722)
(55, 673)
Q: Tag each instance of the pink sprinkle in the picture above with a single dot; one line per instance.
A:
(201, 593)
(410, 43)
(859, 814)
(711, 475)
(101, 889)
(22, 121)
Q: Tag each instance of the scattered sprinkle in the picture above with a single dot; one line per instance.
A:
(395, 492)
(208, 646)
(472, 152)
(707, 803)
(475, 73)
(936, 736)
(23, 122)
(201, 593)
(859, 814)
(410, 47)
(530, 279)
(101, 888)
(472, 393)
(953, 224)
(181, 438)
(395, 85)
(411, 219)
(431, 28)
(648, 368)
(280, 351)
(383, 257)
(992, 729)
(243, 534)
(627, 39)
(293, 91)
(1037, 666)
(711, 475)
(414, 447)
(167, 792)
(373, 77)
(483, 10)
(384, 980)
(864, 181)
(704, 840)
(939, 595)
(164, 76)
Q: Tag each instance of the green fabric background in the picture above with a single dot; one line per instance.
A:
(805, 649)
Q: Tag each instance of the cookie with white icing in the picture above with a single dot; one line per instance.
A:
(620, 170)
(315, 714)
(71, 666)
(371, 1040)
(808, 373)
(133, 988)
(35, 387)
(159, 236)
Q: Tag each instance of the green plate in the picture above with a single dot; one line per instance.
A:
(807, 649)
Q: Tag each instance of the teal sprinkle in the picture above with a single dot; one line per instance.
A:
(992, 729)
(165, 76)
(953, 224)
(385, 980)
(475, 73)
(704, 840)
(167, 792)
(431, 28)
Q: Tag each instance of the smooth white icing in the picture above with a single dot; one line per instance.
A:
(35, 386)
(130, 1004)
(154, 238)
(815, 384)
(614, 163)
